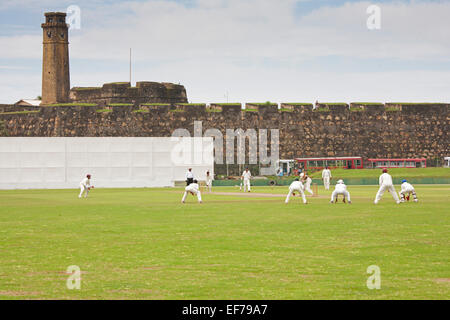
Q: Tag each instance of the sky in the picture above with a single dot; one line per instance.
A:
(241, 50)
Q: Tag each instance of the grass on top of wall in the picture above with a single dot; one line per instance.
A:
(191, 104)
(417, 103)
(19, 112)
(299, 104)
(335, 104)
(71, 105)
(262, 104)
(369, 103)
(226, 104)
(103, 110)
(120, 105)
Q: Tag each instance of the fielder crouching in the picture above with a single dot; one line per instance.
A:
(340, 188)
(406, 190)
(193, 189)
(296, 185)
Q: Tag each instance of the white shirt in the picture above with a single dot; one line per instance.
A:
(246, 175)
(189, 175)
(85, 182)
(193, 187)
(385, 180)
(407, 187)
(326, 173)
(340, 187)
(208, 178)
(296, 185)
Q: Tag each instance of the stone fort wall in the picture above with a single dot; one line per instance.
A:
(367, 130)
(122, 92)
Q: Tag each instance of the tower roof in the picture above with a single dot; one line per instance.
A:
(55, 14)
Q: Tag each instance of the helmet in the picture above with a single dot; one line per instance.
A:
(195, 181)
(297, 179)
(385, 170)
(404, 180)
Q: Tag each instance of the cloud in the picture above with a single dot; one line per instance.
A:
(256, 49)
(252, 29)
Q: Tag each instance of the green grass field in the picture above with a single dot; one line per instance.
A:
(405, 173)
(144, 244)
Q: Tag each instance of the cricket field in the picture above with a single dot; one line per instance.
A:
(145, 244)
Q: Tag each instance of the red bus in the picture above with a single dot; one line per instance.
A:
(398, 163)
(335, 162)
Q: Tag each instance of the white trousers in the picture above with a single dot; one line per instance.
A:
(335, 194)
(291, 191)
(381, 191)
(83, 189)
(246, 185)
(308, 187)
(405, 192)
(199, 196)
(209, 185)
(326, 183)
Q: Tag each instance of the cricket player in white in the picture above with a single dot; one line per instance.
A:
(406, 190)
(308, 181)
(189, 177)
(340, 189)
(386, 183)
(208, 181)
(296, 186)
(193, 189)
(326, 177)
(246, 176)
(85, 186)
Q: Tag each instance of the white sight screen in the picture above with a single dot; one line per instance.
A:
(56, 163)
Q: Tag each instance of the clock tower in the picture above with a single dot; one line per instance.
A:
(55, 59)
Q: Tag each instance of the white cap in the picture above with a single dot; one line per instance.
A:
(340, 181)
(302, 175)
